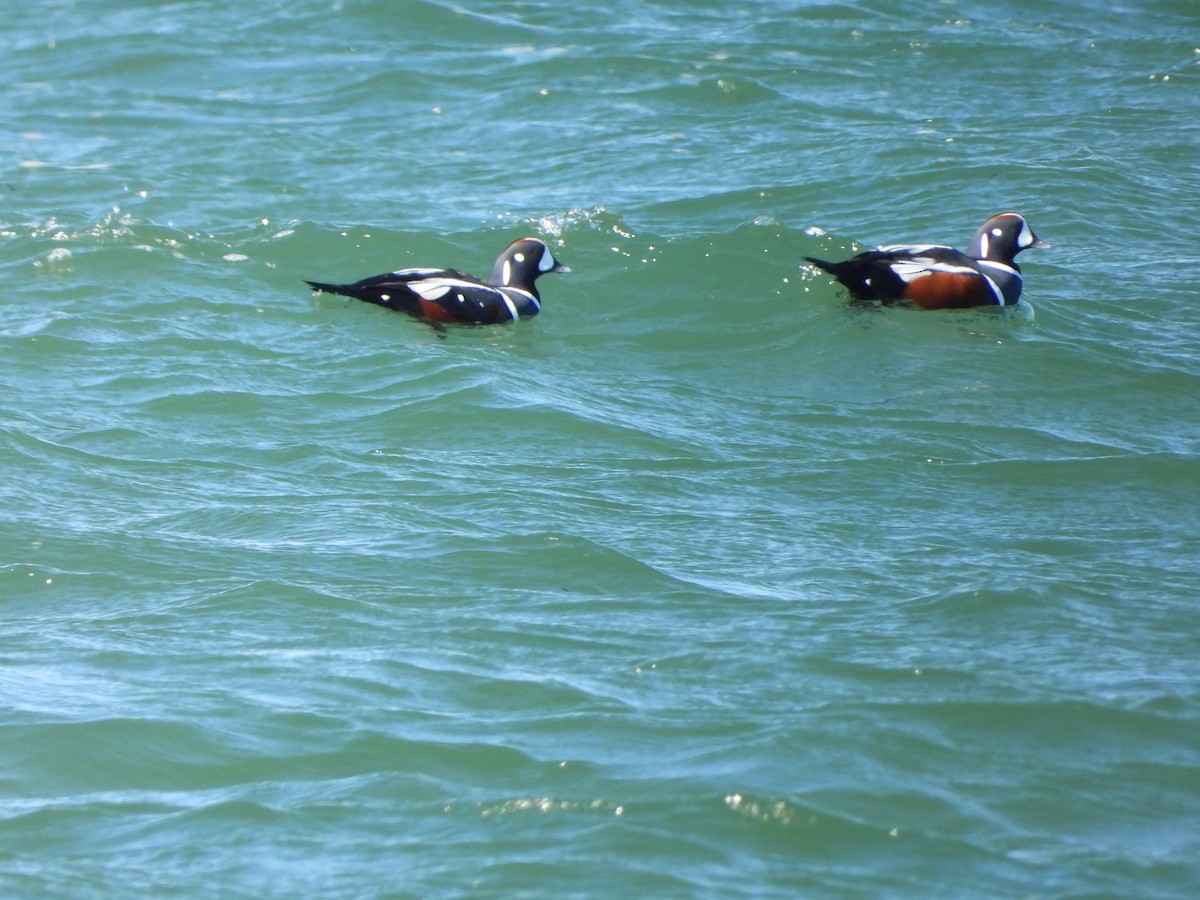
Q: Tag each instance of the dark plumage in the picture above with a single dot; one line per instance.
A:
(937, 277)
(448, 295)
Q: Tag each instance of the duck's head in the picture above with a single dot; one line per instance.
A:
(522, 262)
(1002, 237)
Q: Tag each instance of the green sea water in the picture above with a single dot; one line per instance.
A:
(703, 583)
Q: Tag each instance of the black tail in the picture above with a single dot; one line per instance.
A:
(830, 267)
(327, 288)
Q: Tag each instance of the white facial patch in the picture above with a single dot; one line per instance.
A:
(1025, 238)
(547, 261)
(519, 257)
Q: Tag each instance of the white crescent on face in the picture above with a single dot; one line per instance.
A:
(1025, 238)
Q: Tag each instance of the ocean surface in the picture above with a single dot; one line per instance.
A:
(705, 583)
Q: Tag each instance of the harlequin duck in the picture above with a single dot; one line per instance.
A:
(448, 295)
(936, 277)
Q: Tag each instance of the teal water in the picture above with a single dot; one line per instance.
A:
(702, 583)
